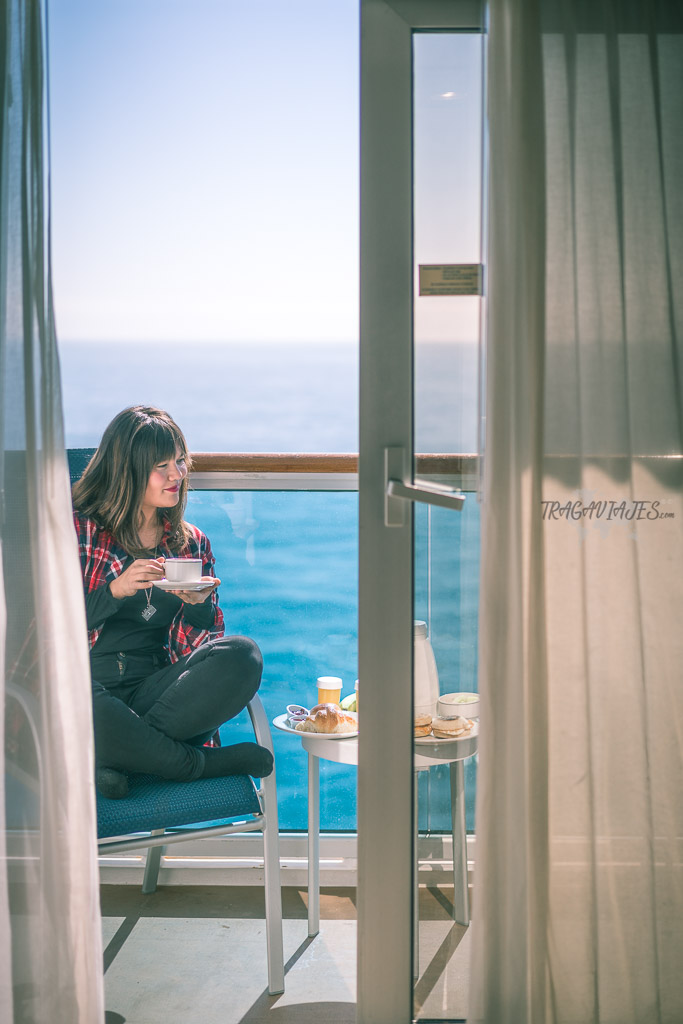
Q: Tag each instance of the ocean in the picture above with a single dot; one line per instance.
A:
(288, 559)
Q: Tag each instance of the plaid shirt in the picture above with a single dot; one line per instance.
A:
(102, 560)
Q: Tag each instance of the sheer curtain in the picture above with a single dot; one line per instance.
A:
(51, 968)
(578, 905)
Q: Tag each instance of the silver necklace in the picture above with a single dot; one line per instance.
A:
(150, 610)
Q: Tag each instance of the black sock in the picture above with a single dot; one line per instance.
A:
(111, 783)
(238, 759)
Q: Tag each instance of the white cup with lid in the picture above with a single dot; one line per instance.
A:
(329, 689)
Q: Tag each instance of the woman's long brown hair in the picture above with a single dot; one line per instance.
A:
(112, 487)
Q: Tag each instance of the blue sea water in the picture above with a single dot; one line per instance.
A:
(288, 560)
(226, 398)
(268, 397)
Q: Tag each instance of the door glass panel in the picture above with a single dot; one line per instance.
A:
(447, 238)
(447, 154)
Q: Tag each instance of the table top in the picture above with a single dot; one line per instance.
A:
(344, 749)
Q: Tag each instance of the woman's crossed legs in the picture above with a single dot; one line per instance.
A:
(174, 710)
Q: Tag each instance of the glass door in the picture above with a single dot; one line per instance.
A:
(447, 324)
(421, 284)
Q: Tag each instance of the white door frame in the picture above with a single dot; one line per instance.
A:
(385, 629)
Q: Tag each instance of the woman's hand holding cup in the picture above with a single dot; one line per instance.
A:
(139, 575)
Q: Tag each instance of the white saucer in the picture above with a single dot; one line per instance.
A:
(202, 584)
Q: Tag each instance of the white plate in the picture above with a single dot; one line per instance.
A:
(202, 584)
(432, 739)
(281, 723)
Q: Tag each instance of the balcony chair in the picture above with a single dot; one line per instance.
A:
(157, 812)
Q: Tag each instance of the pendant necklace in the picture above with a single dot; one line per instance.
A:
(150, 610)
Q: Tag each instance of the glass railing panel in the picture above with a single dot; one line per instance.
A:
(288, 560)
(288, 565)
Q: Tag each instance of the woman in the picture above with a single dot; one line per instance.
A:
(164, 676)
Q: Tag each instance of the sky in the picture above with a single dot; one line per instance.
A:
(204, 159)
(204, 169)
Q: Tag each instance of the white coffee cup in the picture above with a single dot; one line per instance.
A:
(183, 570)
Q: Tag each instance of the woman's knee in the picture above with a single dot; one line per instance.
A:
(242, 658)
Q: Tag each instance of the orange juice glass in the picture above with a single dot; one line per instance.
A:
(329, 689)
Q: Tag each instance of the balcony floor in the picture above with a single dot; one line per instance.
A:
(198, 953)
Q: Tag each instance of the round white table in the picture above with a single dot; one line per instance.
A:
(428, 751)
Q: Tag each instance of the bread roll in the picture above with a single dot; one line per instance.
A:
(451, 728)
(422, 725)
(328, 718)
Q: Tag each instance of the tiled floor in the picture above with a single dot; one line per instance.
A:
(198, 954)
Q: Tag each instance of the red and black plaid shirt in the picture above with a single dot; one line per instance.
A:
(103, 559)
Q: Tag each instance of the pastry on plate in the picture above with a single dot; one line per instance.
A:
(328, 718)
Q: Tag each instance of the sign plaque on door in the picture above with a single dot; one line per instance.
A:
(450, 279)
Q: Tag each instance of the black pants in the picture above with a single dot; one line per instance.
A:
(155, 720)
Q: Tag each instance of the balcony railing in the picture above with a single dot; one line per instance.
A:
(283, 528)
(313, 471)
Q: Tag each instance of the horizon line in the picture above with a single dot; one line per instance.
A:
(247, 341)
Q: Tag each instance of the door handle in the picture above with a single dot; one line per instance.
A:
(398, 490)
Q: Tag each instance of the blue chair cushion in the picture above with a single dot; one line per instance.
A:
(154, 803)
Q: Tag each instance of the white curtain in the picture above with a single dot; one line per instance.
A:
(578, 903)
(51, 966)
